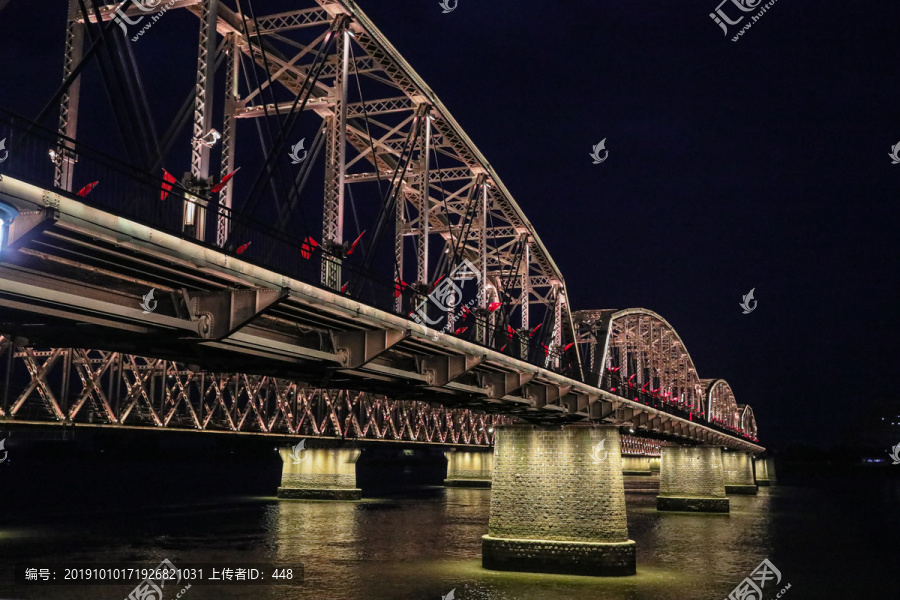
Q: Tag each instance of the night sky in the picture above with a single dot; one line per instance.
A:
(757, 164)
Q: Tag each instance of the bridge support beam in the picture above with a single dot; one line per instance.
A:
(692, 480)
(635, 465)
(469, 469)
(319, 474)
(738, 467)
(765, 471)
(558, 502)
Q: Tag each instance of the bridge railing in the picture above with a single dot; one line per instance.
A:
(36, 154)
(614, 384)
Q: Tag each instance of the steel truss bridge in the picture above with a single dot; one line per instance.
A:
(425, 282)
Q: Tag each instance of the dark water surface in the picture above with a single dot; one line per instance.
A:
(831, 537)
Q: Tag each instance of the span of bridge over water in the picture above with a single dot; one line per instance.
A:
(246, 319)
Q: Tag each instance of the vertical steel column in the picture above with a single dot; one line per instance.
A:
(481, 329)
(9, 375)
(333, 213)
(557, 323)
(203, 95)
(424, 203)
(398, 252)
(68, 106)
(526, 296)
(526, 283)
(232, 97)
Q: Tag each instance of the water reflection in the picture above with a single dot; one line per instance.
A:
(426, 545)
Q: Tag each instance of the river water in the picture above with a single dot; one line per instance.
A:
(831, 537)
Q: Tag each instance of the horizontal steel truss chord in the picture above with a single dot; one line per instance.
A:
(128, 390)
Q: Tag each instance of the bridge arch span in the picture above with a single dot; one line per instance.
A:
(722, 409)
(637, 350)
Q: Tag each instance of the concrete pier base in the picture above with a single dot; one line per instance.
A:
(654, 465)
(738, 468)
(692, 480)
(471, 469)
(558, 502)
(635, 465)
(765, 472)
(319, 474)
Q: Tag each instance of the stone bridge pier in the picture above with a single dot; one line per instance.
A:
(765, 471)
(738, 467)
(469, 468)
(692, 479)
(558, 502)
(319, 473)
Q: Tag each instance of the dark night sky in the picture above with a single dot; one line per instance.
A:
(758, 164)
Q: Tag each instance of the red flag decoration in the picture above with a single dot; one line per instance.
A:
(353, 245)
(399, 285)
(510, 331)
(614, 369)
(344, 288)
(493, 306)
(308, 247)
(503, 348)
(465, 312)
(535, 329)
(437, 281)
(168, 180)
(87, 189)
(221, 185)
(241, 249)
(546, 350)
(461, 330)
(569, 345)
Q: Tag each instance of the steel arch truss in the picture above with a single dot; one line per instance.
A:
(637, 351)
(722, 407)
(386, 139)
(93, 387)
(748, 422)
